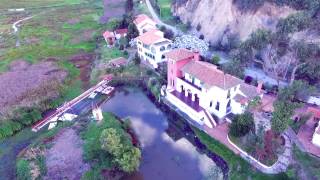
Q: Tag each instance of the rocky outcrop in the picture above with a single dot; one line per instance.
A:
(221, 18)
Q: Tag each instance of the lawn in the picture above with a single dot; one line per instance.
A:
(239, 168)
(310, 164)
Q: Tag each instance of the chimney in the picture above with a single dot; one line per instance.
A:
(196, 55)
(259, 87)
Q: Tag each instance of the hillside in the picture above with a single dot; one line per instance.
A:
(226, 19)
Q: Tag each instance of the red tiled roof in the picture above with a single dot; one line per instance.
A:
(108, 34)
(249, 90)
(149, 37)
(240, 99)
(140, 18)
(210, 75)
(179, 54)
(121, 31)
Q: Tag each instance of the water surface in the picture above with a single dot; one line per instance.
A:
(162, 156)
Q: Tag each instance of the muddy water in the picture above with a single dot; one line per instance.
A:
(163, 156)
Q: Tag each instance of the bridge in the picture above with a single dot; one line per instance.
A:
(64, 108)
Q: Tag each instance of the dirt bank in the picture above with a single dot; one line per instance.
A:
(83, 62)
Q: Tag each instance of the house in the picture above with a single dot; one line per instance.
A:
(151, 47)
(119, 33)
(109, 38)
(202, 91)
(144, 23)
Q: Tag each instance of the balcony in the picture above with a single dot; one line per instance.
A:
(191, 84)
(187, 100)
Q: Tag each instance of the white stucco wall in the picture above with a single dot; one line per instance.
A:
(155, 51)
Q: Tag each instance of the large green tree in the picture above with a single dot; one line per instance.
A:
(125, 154)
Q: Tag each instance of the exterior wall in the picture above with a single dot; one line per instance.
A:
(237, 108)
(118, 36)
(174, 70)
(197, 116)
(155, 53)
(316, 137)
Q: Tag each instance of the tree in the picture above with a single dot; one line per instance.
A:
(242, 124)
(136, 59)
(283, 111)
(129, 6)
(299, 90)
(215, 60)
(113, 24)
(132, 32)
(234, 68)
(110, 140)
(129, 160)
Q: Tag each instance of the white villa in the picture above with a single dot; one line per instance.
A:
(151, 47)
(201, 90)
(144, 23)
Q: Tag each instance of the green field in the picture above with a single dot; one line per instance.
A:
(8, 4)
(165, 9)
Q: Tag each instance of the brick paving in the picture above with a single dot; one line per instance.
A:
(305, 137)
(220, 133)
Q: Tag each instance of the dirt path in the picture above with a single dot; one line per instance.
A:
(64, 159)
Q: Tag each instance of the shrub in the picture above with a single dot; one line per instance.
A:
(136, 59)
(215, 60)
(198, 27)
(294, 23)
(242, 124)
(23, 170)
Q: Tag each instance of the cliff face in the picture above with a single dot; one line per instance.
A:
(220, 18)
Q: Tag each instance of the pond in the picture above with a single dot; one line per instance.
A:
(163, 156)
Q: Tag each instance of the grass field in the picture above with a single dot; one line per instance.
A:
(8, 4)
(165, 9)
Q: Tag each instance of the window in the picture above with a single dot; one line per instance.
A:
(228, 96)
(210, 103)
(228, 106)
(162, 57)
(162, 48)
(218, 106)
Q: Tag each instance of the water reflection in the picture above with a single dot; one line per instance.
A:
(166, 154)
